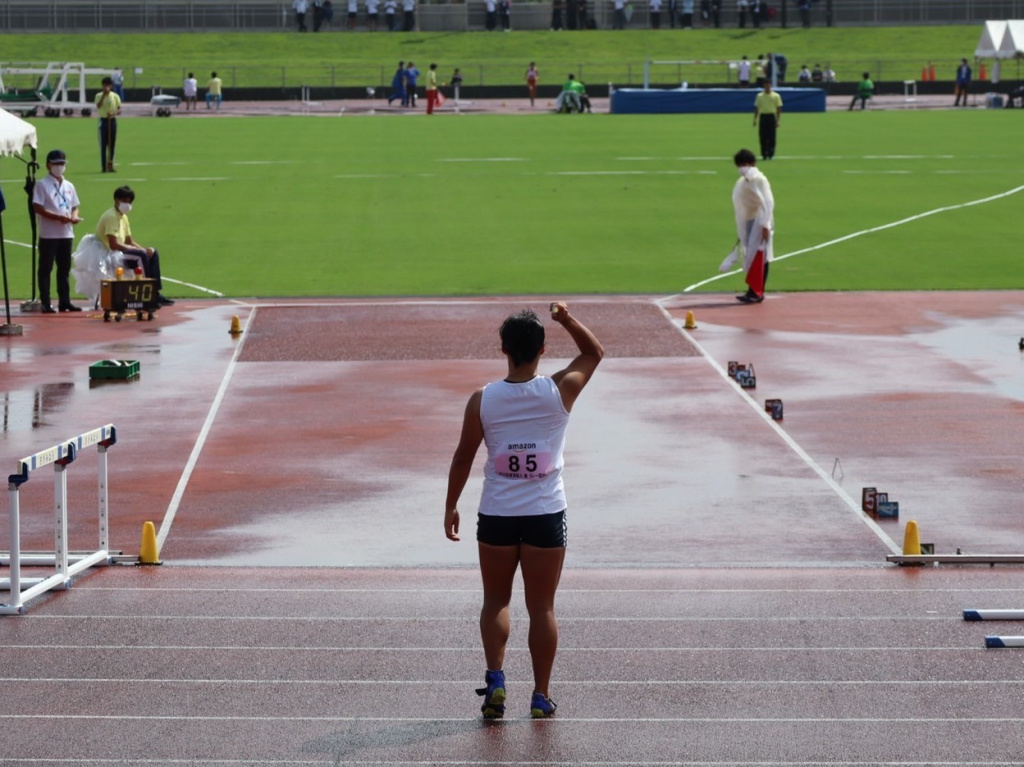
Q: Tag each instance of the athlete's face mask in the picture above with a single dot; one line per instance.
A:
(124, 207)
(745, 170)
(57, 169)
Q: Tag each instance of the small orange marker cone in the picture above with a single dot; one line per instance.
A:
(236, 326)
(148, 552)
(924, 74)
(931, 72)
(691, 321)
(911, 540)
(983, 74)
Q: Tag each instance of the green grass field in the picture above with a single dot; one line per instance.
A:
(459, 205)
(289, 59)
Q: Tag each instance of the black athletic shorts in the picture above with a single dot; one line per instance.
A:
(545, 531)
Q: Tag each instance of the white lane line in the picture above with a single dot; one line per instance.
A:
(475, 649)
(297, 619)
(160, 164)
(15, 242)
(563, 591)
(924, 683)
(553, 721)
(793, 445)
(263, 162)
(211, 291)
(186, 474)
(872, 230)
(633, 173)
(199, 178)
(878, 172)
(482, 159)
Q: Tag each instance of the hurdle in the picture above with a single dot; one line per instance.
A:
(67, 565)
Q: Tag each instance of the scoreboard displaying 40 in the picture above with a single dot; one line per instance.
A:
(120, 296)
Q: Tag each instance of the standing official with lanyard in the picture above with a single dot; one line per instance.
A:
(108, 107)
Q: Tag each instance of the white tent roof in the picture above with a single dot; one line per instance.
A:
(15, 134)
(991, 39)
(1013, 41)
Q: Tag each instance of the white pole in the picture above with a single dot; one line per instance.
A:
(104, 506)
(13, 502)
(60, 533)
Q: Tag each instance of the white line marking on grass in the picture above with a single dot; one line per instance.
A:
(908, 157)
(367, 175)
(196, 287)
(794, 446)
(199, 178)
(186, 474)
(907, 220)
(161, 164)
(633, 173)
(263, 162)
(15, 242)
(482, 159)
(880, 172)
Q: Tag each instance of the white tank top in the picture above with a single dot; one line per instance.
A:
(524, 430)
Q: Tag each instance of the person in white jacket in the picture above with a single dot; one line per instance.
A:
(754, 206)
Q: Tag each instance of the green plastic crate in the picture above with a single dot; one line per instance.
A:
(114, 369)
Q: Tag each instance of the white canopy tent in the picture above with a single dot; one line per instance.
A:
(991, 39)
(1012, 46)
(15, 136)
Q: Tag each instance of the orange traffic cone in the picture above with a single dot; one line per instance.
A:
(924, 74)
(931, 72)
(982, 73)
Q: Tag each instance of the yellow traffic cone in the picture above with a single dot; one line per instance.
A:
(148, 553)
(691, 321)
(236, 326)
(911, 540)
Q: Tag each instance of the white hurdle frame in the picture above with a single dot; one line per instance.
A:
(60, 456)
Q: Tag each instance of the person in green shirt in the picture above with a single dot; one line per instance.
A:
(767, 117)
(865, 90)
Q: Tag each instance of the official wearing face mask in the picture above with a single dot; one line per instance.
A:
(55, 203)
(114, 232)
(754, 206)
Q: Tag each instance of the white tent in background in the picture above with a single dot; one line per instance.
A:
(15, 134)
(991, 38)
(1012, 45)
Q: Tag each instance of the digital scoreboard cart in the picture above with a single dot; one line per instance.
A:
(119, 297)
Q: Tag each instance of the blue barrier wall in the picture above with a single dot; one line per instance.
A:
(631, 101)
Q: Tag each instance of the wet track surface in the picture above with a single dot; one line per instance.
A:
(725, 601)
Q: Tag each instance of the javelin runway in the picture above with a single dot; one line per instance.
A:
(724, 603)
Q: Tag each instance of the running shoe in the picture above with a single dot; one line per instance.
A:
(494, 695)
(541, 707)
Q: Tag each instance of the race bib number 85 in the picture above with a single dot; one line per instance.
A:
(524, 460)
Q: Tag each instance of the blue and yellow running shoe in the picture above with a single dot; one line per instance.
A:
(541, 707)
(494, 695)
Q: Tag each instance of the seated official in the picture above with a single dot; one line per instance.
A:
(114, 233)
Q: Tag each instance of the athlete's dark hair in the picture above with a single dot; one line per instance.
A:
(522, 336)
(744, 157)
(124, 193)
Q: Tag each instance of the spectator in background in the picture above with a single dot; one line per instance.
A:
(398, 85)
(372, 14)
(581, 13)
(505, 12)
(687, 13)
(300, 6)
(804, 6)
(409, 17)
(673, 13)
(619, 17)
(390, 9)
(716, 13)
(353, 14)
(963, 82)
(411, 76)
(118, 77)
(490, 15)
(805, 75)
(705, 12)
(557, 7)
(756, 7)
(817, 75)
(743, 69)
(742, 7)
(214, 90)
(655, 14)
(865, 90)
(318, 14)
(191, 90)
(830, 74)
(457, 84)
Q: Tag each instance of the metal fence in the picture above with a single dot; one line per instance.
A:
(269, 15)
